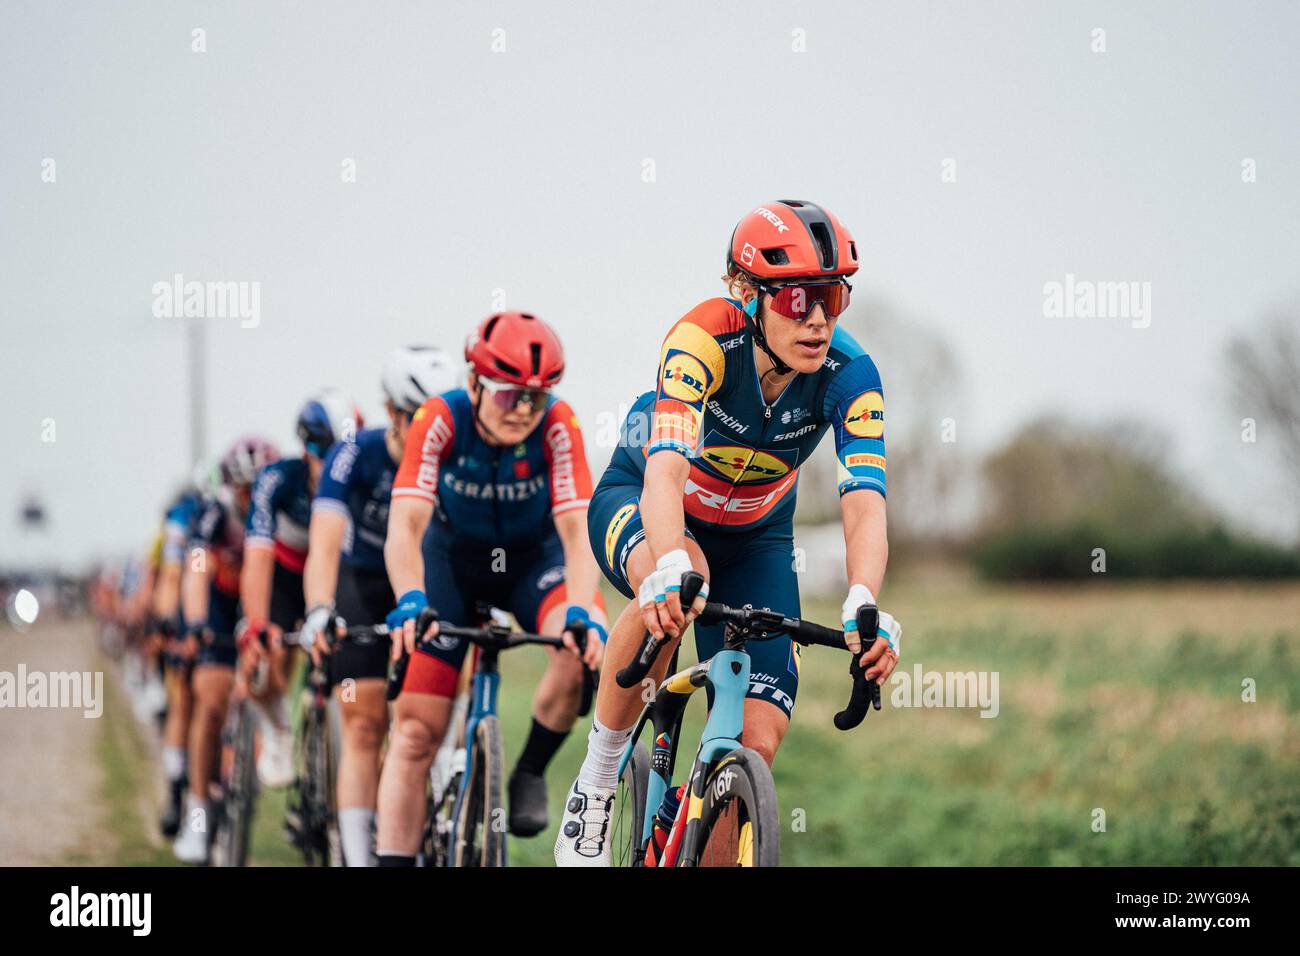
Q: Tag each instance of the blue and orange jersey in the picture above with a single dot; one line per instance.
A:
(280, 512)
(357, 482)
(488, 494)
(745, 454)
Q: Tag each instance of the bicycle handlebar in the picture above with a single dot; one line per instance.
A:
(492, 636)
(761, 624)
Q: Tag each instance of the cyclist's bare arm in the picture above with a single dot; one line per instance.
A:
(664, 518)
(255, 581)
(194, 587)
(167, 592)
(408, 519)
(320, 576)
(866, 554)
(581, 573)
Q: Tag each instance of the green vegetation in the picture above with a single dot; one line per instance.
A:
(1120, 698)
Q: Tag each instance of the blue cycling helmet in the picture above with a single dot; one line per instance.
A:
(326, 418)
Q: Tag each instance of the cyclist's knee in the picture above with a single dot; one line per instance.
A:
(765, 727)
(364, 733)
(413, 739)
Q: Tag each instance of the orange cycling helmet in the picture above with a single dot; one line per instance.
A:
(791, 239)
(516, 347)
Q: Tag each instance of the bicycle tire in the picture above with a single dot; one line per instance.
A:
(235, 821)
(742, 779)
(481, 823)
(630, 810)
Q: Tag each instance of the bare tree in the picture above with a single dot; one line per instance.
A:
(1264, 371)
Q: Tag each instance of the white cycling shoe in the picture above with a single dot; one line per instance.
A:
(584, 830)
(191, 844)
(275, 762)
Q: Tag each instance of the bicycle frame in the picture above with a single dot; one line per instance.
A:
(727, 672)
(484, 686)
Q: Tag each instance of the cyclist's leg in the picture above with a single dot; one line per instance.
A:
(213, 680)
(275, 765)
(357, 674)
(421, 714)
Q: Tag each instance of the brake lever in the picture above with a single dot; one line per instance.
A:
(397, 676)
(865, 694)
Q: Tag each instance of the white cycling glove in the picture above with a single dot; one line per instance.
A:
(667, 576)
(886, 627)
(314, 624)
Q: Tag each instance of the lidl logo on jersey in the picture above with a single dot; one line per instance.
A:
(621, 517)
(685, 378)
(740, 464)
(866, 417)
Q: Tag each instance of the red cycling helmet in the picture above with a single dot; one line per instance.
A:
(516, 347)
(791, 239)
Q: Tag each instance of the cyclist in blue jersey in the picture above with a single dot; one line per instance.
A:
(275, 554)
(210, 608)
(345, 580)
(497, 476)
(705, 478)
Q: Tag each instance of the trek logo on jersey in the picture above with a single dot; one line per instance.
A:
(707, 501)
(621, 517)
(866, 417)
(773, 218)
(684, 378)
(744, 464)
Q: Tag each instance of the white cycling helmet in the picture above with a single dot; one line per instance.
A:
(414, 373)
(327, 417)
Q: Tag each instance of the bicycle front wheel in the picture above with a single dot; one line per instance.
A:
(626, 848)
(235, 820)
(481, 824)
(739, 824)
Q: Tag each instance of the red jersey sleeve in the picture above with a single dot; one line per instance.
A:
(428, 443)
(569, 473)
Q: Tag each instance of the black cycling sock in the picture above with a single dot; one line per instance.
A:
(393, 859)
(541, 747)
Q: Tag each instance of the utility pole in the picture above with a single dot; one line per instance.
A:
(196, 348)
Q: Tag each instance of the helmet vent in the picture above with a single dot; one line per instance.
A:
(535, 350)
(776, 257)
(528, 315)
(853, 251)
(825, 243)
(491, 324)
(506, 367)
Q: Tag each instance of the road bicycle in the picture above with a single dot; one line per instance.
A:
(311, 813)
(466, 822)
(727, 815)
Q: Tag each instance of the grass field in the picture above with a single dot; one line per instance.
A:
(1125, 700)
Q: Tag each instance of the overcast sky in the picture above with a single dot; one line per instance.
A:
(587, 162)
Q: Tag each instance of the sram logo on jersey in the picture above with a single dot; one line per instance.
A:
(866, 416)
(684, 378)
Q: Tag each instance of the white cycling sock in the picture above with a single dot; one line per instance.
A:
(355, 825)
(173, 762)
(604, 751)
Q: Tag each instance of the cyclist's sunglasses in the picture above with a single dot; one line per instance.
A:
(797, 300)
(507, 396)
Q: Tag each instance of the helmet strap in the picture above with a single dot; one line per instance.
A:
(760, 339)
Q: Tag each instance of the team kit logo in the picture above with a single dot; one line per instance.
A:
(616, 525)
(684, 378)
(739, 464)
(866, 416)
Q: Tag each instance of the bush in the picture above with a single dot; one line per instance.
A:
(1032, 553)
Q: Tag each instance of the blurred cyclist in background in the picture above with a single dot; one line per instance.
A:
(271, 582)
(210, 605)
(345, 580)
